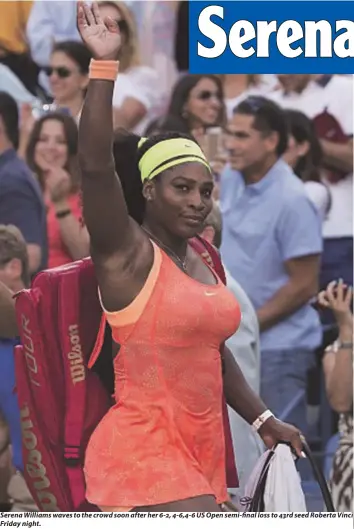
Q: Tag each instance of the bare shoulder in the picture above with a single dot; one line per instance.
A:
(121, 276)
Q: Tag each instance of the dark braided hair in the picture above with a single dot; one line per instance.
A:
(126, 158)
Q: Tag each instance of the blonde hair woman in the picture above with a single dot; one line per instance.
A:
(136, 96)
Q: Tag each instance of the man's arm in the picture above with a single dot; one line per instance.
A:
(50, 22)
(338, 155)
(40, 32)
(300, 288)
(299, 241)
(129, 114)
(18, 206)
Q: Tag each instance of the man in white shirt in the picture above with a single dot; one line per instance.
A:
(328, 101)
(331, 93)
(48, 23)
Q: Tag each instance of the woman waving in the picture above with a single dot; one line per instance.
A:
(161, 446)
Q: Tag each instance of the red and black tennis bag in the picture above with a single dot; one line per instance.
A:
(61, 401)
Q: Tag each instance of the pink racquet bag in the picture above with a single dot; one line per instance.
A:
(61, 401)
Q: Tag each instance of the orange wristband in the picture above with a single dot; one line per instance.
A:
(104, 70)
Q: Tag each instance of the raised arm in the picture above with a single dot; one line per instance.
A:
(338, 361)
(115, 239)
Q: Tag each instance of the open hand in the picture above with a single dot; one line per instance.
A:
(102, 37)
(274, 431)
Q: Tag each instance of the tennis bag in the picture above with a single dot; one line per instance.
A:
(61, 401)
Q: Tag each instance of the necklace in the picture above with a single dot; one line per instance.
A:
(181, 262)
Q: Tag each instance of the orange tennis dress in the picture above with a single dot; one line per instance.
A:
(163, 439)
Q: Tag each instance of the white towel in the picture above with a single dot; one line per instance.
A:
(283, 492)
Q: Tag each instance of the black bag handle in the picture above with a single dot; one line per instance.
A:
(318, 474)
(257, 502)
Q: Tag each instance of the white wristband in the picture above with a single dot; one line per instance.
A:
(262, 419)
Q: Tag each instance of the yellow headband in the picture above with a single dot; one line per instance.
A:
(167, 154)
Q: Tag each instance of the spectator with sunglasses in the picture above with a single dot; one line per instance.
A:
(271, 245)
(137, 96)
(196, 104)
(68, 78)
(68, 75)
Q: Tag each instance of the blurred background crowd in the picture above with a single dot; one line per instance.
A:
(282, 240)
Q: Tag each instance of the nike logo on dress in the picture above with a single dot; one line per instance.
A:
(210, 293)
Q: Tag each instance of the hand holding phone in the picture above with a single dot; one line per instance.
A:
(338, 297)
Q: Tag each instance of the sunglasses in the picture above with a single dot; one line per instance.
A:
(255, 102)
(123, 26)
(205, 95)
(61, 71)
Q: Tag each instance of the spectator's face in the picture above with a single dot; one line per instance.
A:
(51, 148)
(10, 272)
(66, 80)
(204, 104)
(294, 83)
(295, 151)
(247, 147)
(180, 199)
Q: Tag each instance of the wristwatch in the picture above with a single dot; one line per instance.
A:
(342, 345)
(262, 419)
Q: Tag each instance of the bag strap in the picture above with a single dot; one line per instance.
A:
(209, 254)
(257, 503)
(318, 474)
(75, 382)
